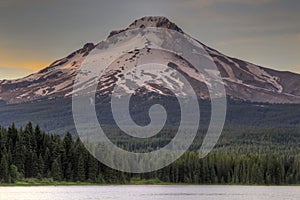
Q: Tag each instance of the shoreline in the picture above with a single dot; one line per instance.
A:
(54, 184)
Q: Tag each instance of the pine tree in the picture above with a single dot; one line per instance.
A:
(47, 161)
(81, 169)
(4, 170)
(92, 169)
(56, 171)
(38, 137)
(40, 166)
(19, 157)
(67, 158)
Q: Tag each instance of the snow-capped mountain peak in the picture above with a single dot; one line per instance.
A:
(243, 80)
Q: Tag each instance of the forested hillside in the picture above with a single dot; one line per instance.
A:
(261, 156)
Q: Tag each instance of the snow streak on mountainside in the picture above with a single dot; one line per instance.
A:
(242, 80)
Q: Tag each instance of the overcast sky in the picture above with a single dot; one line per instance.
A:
(34, 33)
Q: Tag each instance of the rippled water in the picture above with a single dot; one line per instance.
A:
(149, 192)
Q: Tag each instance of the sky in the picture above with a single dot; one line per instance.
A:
(35, 33)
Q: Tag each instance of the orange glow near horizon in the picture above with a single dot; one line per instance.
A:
(30, 65)
(24, 62)
(12, 66)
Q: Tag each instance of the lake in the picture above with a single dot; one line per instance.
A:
(150, 192)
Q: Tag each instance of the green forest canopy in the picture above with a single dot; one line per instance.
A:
(258, 156)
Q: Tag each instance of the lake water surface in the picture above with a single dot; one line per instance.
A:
(150, 192)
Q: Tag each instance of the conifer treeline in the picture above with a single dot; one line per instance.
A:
(31, 153)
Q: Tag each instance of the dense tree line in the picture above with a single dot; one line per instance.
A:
(31, 153)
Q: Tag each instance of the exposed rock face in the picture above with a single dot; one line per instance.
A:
(157, 21)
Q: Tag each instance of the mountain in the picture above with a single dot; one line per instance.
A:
(243, 80)
(257, 96)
